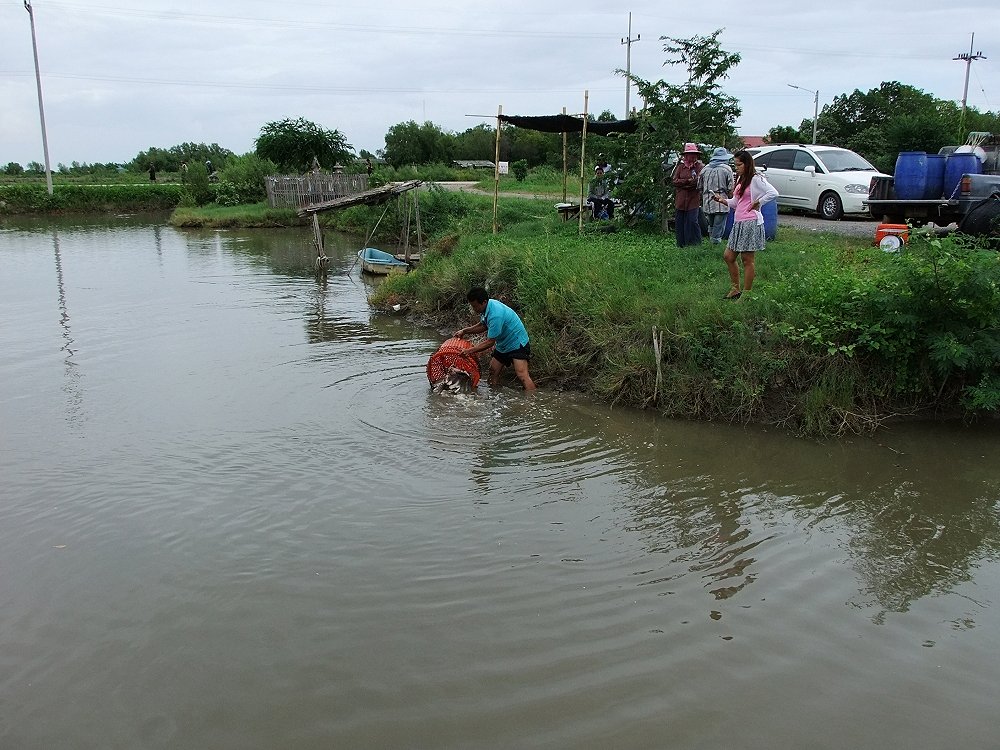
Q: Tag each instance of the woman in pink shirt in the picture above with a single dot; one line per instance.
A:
(747, 237)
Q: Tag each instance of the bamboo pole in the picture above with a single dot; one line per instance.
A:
(496, 171)
(416, 210)
(583, 157)
(565, 165)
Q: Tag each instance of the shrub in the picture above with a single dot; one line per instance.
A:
(520, 170)
(242, 181)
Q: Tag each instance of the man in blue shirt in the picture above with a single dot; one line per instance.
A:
(505, 331)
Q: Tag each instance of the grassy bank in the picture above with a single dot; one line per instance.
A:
(836, 335)
(224, 217)
(29, 198)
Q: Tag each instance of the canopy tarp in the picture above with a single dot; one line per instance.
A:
(569, 124)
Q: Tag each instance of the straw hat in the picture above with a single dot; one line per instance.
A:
(691, 148)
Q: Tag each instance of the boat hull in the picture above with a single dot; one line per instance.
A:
(380, 263)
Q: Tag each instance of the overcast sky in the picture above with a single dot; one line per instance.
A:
(119, 77)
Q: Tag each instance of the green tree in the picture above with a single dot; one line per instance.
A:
(882, 122)
(410, 143)
(697, 110)
(169, 159)
(242, 180)
(787, 134)
(293, 144)
(13, 169)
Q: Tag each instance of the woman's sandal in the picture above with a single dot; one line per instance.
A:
(733, 294)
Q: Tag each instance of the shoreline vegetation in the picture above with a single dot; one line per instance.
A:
(836, 337)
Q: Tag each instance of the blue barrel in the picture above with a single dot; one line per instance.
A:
(770, 213)
(957, 165)
(729, 224)
(911, 175)
(935, 176)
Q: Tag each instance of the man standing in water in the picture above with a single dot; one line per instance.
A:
(505, 331)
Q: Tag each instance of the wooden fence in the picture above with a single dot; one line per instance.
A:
(296, 191)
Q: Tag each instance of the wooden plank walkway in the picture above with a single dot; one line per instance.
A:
(371, 197)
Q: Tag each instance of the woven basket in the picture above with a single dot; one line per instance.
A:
(449, 354)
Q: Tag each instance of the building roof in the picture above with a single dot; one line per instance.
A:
(473, 163)
(753, 141)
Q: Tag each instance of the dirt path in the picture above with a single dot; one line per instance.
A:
(849, 226)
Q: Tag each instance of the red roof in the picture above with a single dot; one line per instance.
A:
(753, 141)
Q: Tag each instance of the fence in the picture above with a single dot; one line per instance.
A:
(295, 192)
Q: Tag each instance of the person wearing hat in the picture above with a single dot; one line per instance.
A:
(599, 195)
(687, 197)
(717, 177)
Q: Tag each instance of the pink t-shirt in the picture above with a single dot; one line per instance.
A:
(743, 203)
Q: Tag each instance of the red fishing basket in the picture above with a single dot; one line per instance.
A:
(449, 354)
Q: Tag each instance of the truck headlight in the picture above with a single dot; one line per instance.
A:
(859, 189)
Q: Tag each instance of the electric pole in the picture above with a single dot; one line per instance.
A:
(968, 57)
(41, 110)
(628, 61)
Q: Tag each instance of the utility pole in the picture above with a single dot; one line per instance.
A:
(41, 110)
(968, 57)
(628, 61)
(815, 106)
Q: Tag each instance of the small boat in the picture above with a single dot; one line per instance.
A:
(380, 262)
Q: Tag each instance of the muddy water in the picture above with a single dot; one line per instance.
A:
(234, 516)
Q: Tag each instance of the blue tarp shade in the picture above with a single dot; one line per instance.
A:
(569, 124)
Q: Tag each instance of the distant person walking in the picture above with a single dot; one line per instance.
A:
(152, 173)
(717, 177)
(368, 166)
(184, 172)
(687, 197)
(747, 237)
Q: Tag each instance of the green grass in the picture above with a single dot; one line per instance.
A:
(835, 336)
(540, 181)
(220, 217)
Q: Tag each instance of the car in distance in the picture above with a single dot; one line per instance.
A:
(829, 180)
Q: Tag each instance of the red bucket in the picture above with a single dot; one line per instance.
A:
(448, 355)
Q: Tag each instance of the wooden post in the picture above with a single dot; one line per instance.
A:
(583, 157)
(416, 210)
(496, 172)
(565, 166)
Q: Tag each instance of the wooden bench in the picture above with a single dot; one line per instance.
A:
(568, 210)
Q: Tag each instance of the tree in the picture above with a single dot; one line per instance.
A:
(169, 159)
(410, 143)
(895, 117)
(697, 110)
(13, 169)
(786, 134)
(293, 144)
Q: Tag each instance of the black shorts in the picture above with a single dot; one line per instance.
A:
(507, 358)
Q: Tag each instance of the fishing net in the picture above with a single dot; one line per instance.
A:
(449, 354)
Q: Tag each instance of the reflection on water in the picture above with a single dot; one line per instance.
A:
(251, 524)
(72, 389)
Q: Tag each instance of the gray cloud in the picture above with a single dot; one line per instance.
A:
(119, 78)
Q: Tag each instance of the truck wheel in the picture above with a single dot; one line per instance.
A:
(830, 207)
(983, 220)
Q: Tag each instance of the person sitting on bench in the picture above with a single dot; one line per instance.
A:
(599, 196)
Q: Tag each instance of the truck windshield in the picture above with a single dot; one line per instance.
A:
(842, 160)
